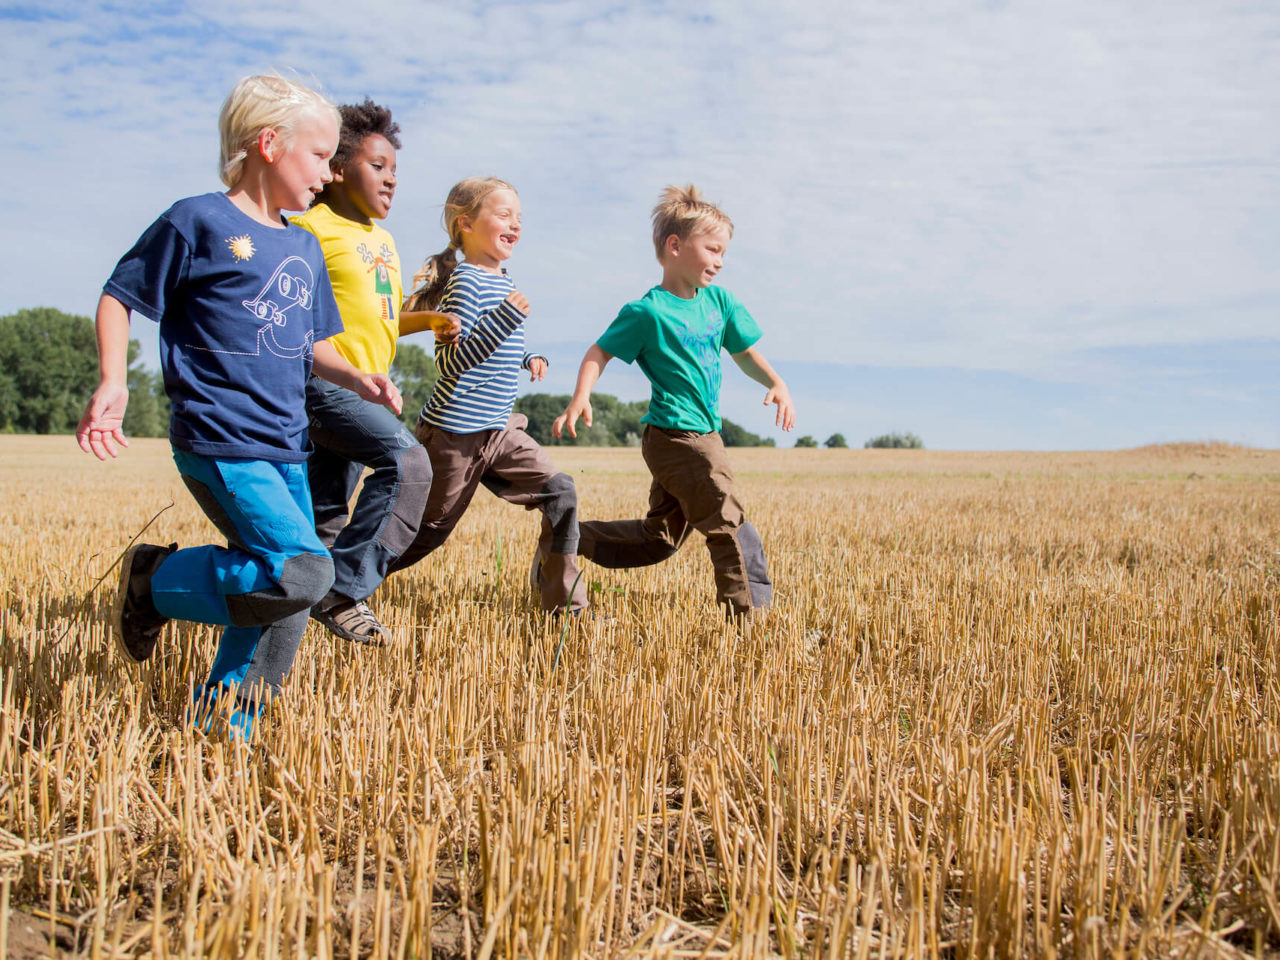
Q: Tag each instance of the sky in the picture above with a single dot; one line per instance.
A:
(1038, 225)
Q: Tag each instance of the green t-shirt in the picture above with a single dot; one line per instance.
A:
(677, 344)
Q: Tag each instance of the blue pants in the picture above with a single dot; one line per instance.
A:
(262, 585)
(350, 433)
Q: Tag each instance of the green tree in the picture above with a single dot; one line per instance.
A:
(613, 420)
(49, 366)
(736, 436)
(895, 441)
(542, 410)
(148, 412)
(806, 441)
(414, 372)
(836, 442)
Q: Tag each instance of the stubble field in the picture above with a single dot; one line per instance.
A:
(1006, 705)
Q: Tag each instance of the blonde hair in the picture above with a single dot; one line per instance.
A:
(464, 200)
(256, 104)
(681, 212)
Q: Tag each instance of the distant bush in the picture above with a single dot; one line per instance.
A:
(736, 436)
(806, 441)
(616, 423)
(414, 372)
(836, 442)
(895, 441)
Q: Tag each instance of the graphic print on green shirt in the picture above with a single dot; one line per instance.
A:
(677, 344)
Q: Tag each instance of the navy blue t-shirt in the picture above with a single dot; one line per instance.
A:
(239, 305)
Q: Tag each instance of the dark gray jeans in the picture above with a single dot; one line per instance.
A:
(349, 433)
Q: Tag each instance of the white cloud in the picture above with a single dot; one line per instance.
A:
(960, 184)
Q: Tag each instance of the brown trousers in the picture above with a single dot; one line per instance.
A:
(512, 466)
(692, 490)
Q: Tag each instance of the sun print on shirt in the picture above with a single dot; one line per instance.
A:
(241, 247)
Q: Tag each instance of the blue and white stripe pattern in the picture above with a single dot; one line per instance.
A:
(480, 370)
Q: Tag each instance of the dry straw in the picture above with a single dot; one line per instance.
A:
(1008, 705)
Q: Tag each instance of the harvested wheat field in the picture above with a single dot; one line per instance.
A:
(1006, 705)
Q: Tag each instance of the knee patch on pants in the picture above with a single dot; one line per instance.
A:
(752, 548)
(561, 510)
(414, 467)
(304, 581)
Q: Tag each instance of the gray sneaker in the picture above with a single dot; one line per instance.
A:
(354, 621)
(136, 623)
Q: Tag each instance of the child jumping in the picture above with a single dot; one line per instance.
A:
(467, 424)
(347, 431)
(675, 332)
(245, 309)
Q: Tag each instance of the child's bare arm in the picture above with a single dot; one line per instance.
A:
(102, 425)
(593, 365)
(444, 325)
(329, 365)
(752, 362)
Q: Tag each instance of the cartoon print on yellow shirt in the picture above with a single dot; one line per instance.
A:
(381, 267)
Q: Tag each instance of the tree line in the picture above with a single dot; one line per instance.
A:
(49, 367)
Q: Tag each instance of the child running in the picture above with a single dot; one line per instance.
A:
(245, 310)
(467, 424)
(675, 332)
(349, 432)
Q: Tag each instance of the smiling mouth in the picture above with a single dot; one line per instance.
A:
(509, 238)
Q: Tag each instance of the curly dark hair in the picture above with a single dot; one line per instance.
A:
(360, 120)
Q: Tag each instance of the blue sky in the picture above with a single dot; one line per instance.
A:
(1047, 225)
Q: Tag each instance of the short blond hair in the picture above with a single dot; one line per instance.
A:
(681, 212)
(260, 103)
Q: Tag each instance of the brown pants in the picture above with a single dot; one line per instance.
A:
(692, 490)
(512, 466)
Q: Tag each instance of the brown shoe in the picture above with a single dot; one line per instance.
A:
(136, 623)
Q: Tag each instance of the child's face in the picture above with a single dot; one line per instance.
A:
(491, 235)
(300, 169)
(698, 258)
(368, 178)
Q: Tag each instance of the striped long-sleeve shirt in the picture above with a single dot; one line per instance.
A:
(479, 371)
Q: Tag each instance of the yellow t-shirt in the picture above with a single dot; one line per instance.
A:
(364, 270)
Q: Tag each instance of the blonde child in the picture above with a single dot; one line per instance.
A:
(467, 424)
(675, 333)
(245, 310)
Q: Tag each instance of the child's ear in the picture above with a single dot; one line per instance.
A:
(672, 245)
(268, 143)
(337, 174)
(464, 224)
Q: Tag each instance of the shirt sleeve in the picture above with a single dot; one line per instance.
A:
(740, 328)
(149, 275)
(482, 333)
(628, 334)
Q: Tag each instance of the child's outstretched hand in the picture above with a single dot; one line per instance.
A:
(537, 368)
(518, 300)
(102, 425)
(445, 326)
(378, 388)
(575, 409)
(786, 410)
